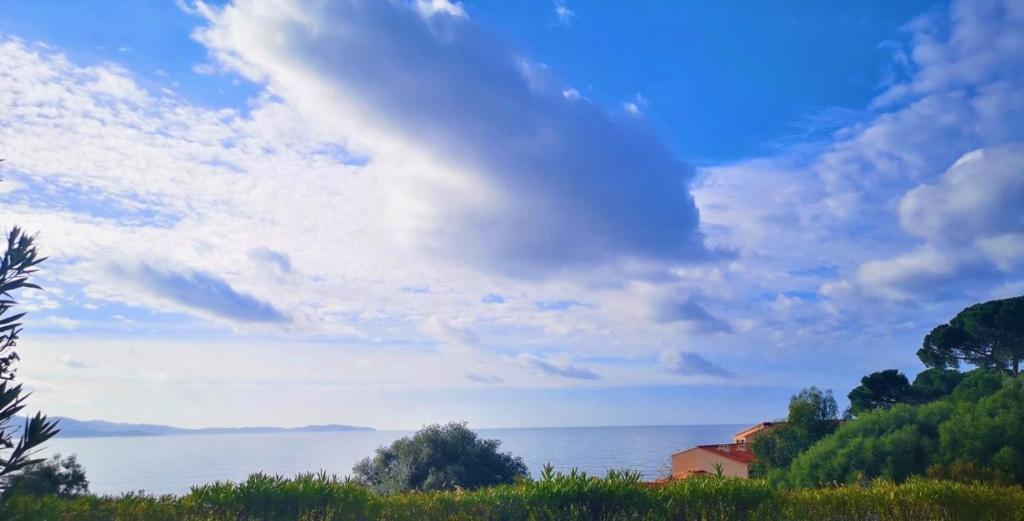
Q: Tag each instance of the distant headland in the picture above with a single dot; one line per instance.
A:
(72, 428)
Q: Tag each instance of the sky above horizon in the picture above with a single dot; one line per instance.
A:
(537, 213)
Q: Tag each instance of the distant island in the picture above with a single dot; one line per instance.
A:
(72, 428)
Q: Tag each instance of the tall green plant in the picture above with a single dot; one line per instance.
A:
(17, 444)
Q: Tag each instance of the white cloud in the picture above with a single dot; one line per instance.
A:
(357, 172)
(457, 338)
(971, 221)
(447, 7)
(63, 322)
(563, 15)
(918, 201)
(496, 169)
(636, 106)
(238, 220)
(979, 197)
(72, 363)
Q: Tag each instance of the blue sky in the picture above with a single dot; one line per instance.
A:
(545, 213)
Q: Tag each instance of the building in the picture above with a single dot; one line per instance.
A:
(747, 436)
(733, 459)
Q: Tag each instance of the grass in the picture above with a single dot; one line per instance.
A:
(558, 497)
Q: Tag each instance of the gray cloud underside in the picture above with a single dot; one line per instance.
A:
(693, 364)
(205, 293)
(566, 371)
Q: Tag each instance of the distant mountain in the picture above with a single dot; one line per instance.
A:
(72, 428)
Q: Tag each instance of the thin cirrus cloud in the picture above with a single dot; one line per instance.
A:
(533, 183)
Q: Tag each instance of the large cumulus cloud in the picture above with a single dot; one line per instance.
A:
(487, 160)
(972, 222)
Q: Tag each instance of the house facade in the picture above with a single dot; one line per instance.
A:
(748, 435)
(734, 459)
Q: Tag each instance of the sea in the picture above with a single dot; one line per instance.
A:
(173, 464)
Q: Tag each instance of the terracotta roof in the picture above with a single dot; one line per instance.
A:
(759, 426)
(731, 451)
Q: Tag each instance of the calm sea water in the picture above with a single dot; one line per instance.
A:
(172, 464)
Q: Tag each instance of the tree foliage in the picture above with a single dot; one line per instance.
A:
(893, 443)
(813, 414)
(931, 384)
(62, 477)
(989, 335)
(978, 431)
(17, 443)
(880, 390)
(988, 433)
(439, 458)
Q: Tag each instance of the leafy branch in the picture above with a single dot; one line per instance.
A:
(17, 445)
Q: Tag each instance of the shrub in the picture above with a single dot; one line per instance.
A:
(571, 496)
(891, 443)
(439, 457)
(979, 427)
(63, 477)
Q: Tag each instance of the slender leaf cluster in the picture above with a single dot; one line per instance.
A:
(17, 444)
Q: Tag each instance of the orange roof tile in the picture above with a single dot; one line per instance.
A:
(731, 451)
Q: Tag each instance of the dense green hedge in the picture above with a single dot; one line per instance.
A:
(563, 498)
(976, 432)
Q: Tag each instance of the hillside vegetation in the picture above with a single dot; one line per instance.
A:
(976, 433)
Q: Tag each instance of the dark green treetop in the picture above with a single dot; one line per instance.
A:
(988, 335)
(931, 384)
(882, 389)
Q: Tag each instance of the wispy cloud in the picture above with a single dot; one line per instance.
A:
(559, 368)
(203, 292)
(72, 363)
(557, 305)
(563, 15)
(484, 378)
(692, 364)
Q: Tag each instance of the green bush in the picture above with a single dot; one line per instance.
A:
(439, 457)
(573, 496)
(976, 432)
(63, 477)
